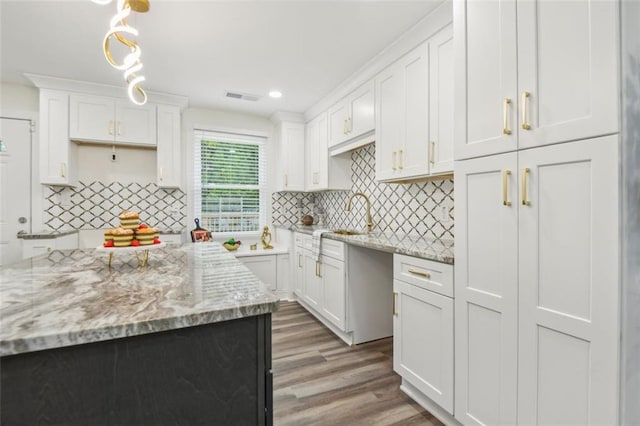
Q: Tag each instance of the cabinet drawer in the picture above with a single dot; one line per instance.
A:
(303, 240)
(331, 248)
(434, 276)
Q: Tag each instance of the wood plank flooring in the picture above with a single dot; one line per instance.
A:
(319, 380)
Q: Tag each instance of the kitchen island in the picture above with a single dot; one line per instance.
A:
(184, 340)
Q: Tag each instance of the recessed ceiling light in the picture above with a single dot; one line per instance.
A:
(275, 94)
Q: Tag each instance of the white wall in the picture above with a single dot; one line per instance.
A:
(217, 120)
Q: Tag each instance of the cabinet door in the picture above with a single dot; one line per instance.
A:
(299, 275)
(486, 290)
(57, 154)
(283, 273)
(361, 107)
(293, 151)
(441, 102)
(389, 119)
(169, 152)
(334, 296)
(485, 78)
(92, 118)
(413, 152)
(568, 276)
(312, 158)
(338, 122)
(570, 70)
(423, 341)
(135, 124)
(264, 267)
(312, 282)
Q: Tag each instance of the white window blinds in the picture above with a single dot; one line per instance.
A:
(229, 181)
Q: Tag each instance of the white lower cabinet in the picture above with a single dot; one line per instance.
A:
(346, 289)
(37, 247)
(332, 274)
(536, 289)
(272, 269)
(423, 330)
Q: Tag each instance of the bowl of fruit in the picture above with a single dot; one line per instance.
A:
(231, 244)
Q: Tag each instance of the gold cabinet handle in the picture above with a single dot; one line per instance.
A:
(432, 152)
(349, 125)
(119, 129)
(286, 180)
(400, 159)
(393, 160)
(505, 115)
(111, 127)
(318, 270)
(525, 103)
(395, 298)
(63, 169)
(505, 196)
(525, 173)
(344, 127)
(299, 261)
(160, 173)
(421, 273)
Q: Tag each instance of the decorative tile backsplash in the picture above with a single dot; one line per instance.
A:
(421, 209)
(97, 205)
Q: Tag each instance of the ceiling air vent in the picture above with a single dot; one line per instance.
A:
(243, 96)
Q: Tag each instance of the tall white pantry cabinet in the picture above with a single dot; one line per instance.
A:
(537, 292)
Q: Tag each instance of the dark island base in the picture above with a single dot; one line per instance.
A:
(211, 374)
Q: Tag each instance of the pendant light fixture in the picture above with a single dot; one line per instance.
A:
(118, 30)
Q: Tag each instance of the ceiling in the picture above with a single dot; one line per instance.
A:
(200, 49)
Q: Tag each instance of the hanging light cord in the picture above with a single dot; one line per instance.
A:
(131, 64)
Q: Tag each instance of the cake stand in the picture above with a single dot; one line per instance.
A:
(141, 252)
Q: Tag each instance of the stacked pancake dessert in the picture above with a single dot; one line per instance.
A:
(129, 220)
(122, 237)
(145, 235)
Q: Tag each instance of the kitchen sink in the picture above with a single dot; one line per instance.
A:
(346, 232)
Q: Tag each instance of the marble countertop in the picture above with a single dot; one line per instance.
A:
(437, 250)
(72, 297)
(46, 235)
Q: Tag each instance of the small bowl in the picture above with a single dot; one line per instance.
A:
(307, 219)
(231, 247)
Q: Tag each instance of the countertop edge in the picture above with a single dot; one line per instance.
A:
(64, 339)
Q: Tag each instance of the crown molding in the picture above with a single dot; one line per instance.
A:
(98, 89)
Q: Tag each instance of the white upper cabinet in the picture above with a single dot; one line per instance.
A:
(441, 102)
(529, 77)
(57, 154)
(353, 116)
(291, 170)
(414, 112)
(111, 120)
(321, 171)
(169, 153)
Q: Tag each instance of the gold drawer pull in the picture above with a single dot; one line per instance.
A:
(525, 200)
(421, 273)
(318, 270)
(525, 103)
(401, 157)
(432, 152)
(299, 261)
(395, 298)
(505, 120)
(505, 196)
(393, 160)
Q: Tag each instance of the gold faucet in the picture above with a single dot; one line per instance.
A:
(348, 208)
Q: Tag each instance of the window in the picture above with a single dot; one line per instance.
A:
(230, 185)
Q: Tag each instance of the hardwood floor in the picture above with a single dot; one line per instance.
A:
(319, 380)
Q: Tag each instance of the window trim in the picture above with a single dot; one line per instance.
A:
(231, 135)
